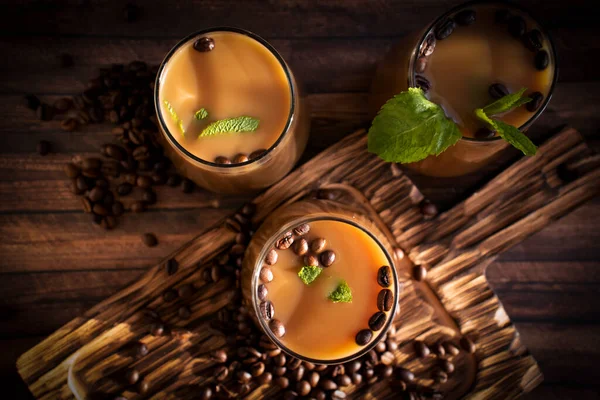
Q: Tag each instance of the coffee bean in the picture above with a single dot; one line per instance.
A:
(91, 173)
(343, 380)
(265, 378)
(149, 239)
(280, 360)
(279, 371)
(43, 147)
(186, 290)
(266, 275)
(377, 321)
(117, 208)
(388, 358)
(311, 260)
(109, 197)
(419, 273)
(174, 180)
(204, 44)
(222, 160)
(427, 208)
(290, 395)
(380, 347)
(440, 376)
(257, 369)
(318, 245)
(169, 295)
(313, 379)
(81, 184)
(385, 300)
(143, 387)
(536, 101)
(282, 382)
(421, 349)
(384, 276)
(451, 349)
(187, 186)
(69, 124)
(71, 170)
(421, 64)
(444, 29)
(363, 337)
(257, 153)
(184, 312)
(31, 101)
(447, 366)
(502, 16)
(285, 242)
(172, 266)
(303, 388)
(144, 181)
(97, 219)
(277, 328)
(320, 367)
(149, 196)
(338, 370)
(353, 366)
(87, 205)
(124, 189)
(205, 393)
(423, 83)
(516, 26)
(302, 229)
(368, 372)
(109, 222)
(132, 376)
(484, 133)
(428, 46)
(243, 376)
(141, 349)
(271, 257)
(100, 209)
(533, 40)
(240, 158)
(328, 384)
(221, 373)
(391, 345)
(318, 394)
(293, 363)
(301, 247)
(267, 310)
(541, 60)
(97, 194)
(465, 17)
(327, 258)
(439, 350)
(91, 163)
(138, 207)
(467, 345)
(405, 375)
(498, 90)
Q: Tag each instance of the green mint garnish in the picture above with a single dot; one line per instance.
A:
(173, 114)
(309, 273)
(231, 125)
(201, 114)
(342, 294)
(508, 132)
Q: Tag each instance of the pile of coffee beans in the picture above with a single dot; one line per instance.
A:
(444, 352)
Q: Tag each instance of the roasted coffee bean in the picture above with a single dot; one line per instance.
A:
(405, 375)
(279, 371)
(467, 345)
(184, 312)
(421, 349)
(63, 105)
(444, 29)
(265, 378)
(318, 394)
(109, 222)
(159, 178)
(303, 388)
(132, 376)
(428, 209)
(328, 384)
(384, 276)
(498, 90)
(149, 196)
(169, 295)
(465, 17)
(387, 358)
(81, 184)
(338, 395)
(391, 345)
(186, 290)
(71, 170)
(97, 194)
(385, 300)
(204, 44)
(439, 376)
(82, 117)
(174, 180)
(138, 207)
(502, 16)
(266, 275)
(451, 349)
(313, 378)
(385, 371)
(280, 360)
(257, 153)
(222, 160)
(338, 370)
(109, 198)
(205, 393)
(44, 112)
(484, 133)
(311, 260)
(320, 367)
(243, 376)
(327, 258)
(115, 152)
(302, 229)
(141, 349)
(97, 219)
(31, 101)
(262, 292)
(423, 83)
(318, 245)
(91, 173)
(541, 60)
(187, 186)
(96, 114)
(536, 101)
(290, 395)
(516, 26)
(277, 328)
(143, 387)
(356, 378)
(117, 208)
(421, 64)
(380, 347)
(267, 310)
(240, 158)
(377, 321)
(43, 147)
(301, 247)
(91, 163)
(221, 373)
(419, 273)
(293, 363)
(172, 266)
(309, 366)
(343, 380)
(439, 350)
(144, 181)
(533, 40)
(363, 337)
(257, 369)
(353, 366)
(282, 382)
(368, 372)
(428, 46)
(100, 209)
(69, 124)
(149, 239)
(271, 257)
(285, 242)
(447, 366)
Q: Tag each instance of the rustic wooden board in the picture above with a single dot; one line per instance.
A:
(454, 301)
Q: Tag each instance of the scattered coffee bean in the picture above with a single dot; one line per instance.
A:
(302, 229)
(143, 387)
(69, 124)
(541, 60)
(271, 257)
(423, 83)
(149, 239)
(265, 378)
(172, 266)
(186, 290)
(262, 292)
(144, 181)
(141, 349)
(428, 46)
(451, 349)
(421, 349)
(439, 350)
(204, 44)
(484, 133)
(266, 275)
(222, 160)
(205, 393)
(169, 295)
(215, 273)
(447, 366)
(384, 276)
(100, 209)
(445, 29)
(536, 101)
(280, 360)
(257, 369)
(132, 376)
(377, 321)
(184, 312)
(149, 196)
(301, 247)
(328, 384)
(498, 90)
(465, 17)
(187, 186)
(71, 170)
(279, 371)
(267, 310)
(391, 345)
(124, 189)
(419, 273)
(318, 245)
(311, 260)
(303, 388)
(428, 208)
(516, 26)
(388, 358)
(421, 64)
(368, 372)
(43, 147)
(282, 382)
(313, 378)
(343, 380)
(405, 375)
(117, 208)
(363, 337)
(327, 258)
(257, 153)
(467, 345)
(174, 180)
(277, 328)
(502, 16)
(356, 378)
(97, 194)
(385, 300)
(285, 242)
(243, 376)
(440, 376)
(240, 158)
(533, 40)
(221, 373)
(87, 205)
(380, 347)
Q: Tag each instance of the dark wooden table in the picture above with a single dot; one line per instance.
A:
(54, 264)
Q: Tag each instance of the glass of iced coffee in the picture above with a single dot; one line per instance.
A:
(465, 59)
(321, 281)
(230, 111)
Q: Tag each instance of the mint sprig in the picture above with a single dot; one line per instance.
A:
(409, 128)
(309, 273)
(231, 125)
(175, 117)
(201, 114)
(507, 103)
(341, 294)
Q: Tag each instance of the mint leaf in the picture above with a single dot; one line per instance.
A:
(201, 114)
(507, 103)
(409, 128)
(342, 294)
(231, 125)
(309, 273)
(175, 117)
(509, 133)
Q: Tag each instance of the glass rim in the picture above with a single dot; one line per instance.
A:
(265, 325)
(508, 4)
(271, 49)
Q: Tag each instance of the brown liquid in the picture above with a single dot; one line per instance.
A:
(315, 326)
(239, 77)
